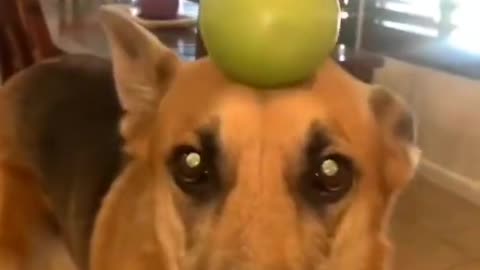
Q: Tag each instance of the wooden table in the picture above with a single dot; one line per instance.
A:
(80, 32)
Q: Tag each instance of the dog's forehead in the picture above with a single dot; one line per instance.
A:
(201, 96)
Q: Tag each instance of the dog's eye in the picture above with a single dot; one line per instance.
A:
(329, 178)
(192, 171)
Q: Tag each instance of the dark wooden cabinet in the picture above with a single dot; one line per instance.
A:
(348, 28)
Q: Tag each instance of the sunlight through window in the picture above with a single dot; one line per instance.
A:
(466, 19)
(424, 8)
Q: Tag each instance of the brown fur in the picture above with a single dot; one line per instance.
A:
(59, 122)
(260, 220)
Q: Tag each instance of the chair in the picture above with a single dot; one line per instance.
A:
(24, 36)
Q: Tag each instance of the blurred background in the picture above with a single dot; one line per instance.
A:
(426, 50)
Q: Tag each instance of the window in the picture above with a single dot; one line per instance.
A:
(414, 16)
(424, 8)
(457, 20)
(466, 20)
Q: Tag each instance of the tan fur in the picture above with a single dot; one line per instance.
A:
(27, 238)
(146, 222)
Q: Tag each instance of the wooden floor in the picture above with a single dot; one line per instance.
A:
(435, 230)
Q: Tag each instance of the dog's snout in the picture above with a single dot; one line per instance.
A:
(261, 232)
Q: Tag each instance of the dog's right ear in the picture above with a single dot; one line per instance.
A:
(143, 68)
(399, 130)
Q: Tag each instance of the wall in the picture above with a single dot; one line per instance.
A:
(447, 108)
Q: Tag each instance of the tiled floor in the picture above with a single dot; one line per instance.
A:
(435, 230)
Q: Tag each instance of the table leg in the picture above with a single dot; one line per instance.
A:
(200, 50)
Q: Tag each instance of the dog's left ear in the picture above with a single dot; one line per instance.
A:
(143, 69)
(399, 133)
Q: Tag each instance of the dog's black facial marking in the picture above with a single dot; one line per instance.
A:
(325, 178)
(207, 189)
(318, 140)
(195, 170)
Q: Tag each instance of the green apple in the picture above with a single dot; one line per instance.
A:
(269, 43)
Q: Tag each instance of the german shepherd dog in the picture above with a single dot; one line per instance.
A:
(151, 163)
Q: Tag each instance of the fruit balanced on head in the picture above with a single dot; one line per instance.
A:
(269, 43)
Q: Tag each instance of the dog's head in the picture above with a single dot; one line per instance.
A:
(296, 178)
